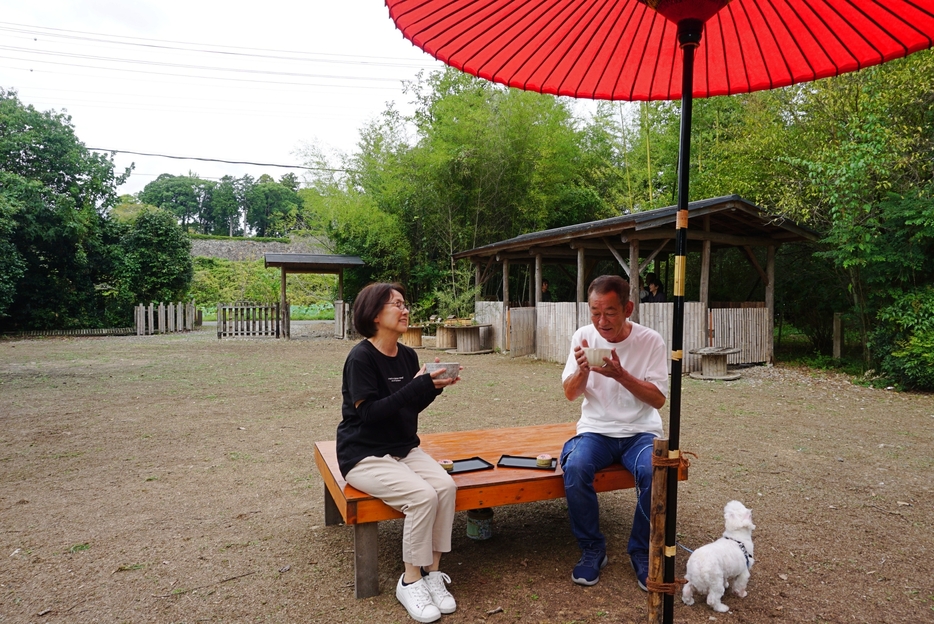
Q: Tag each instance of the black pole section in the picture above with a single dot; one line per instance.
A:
(689, 35)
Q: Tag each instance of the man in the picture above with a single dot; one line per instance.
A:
(656, 292)
(619, 420)
(546, 294)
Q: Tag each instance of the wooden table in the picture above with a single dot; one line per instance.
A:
(468, 339)
(475, 490)
(412, 337)
(714, 364)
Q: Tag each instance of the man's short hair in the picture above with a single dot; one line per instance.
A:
(369, 303)
(605, 284)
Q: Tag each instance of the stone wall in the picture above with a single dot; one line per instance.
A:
(246, 249)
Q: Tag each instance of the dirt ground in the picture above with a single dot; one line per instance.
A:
(171, 479)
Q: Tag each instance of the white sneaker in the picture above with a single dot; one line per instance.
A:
(439, 591)
(416, 599)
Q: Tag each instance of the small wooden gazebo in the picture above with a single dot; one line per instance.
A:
(314, 263)
(634, 241)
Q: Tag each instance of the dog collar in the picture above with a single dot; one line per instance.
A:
(742, 548)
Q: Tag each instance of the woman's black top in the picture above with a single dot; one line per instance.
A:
(386, 423)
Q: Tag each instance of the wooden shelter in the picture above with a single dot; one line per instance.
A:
(314, 263)
(634, 241)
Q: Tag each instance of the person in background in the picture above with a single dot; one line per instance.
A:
(546, 294)
(656, 291)
(384, 389)
(619, 421)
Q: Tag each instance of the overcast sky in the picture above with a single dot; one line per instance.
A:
(225, 80)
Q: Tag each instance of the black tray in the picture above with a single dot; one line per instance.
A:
(471, 464)
(515, 461)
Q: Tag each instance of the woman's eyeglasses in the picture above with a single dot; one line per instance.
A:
(402, 305)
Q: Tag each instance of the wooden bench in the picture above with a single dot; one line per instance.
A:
(475, 490)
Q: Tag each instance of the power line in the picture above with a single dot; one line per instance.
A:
(48, 31)
(196, 47)
(220, 160)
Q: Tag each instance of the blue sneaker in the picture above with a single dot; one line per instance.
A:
(587, 570)
(639, 561)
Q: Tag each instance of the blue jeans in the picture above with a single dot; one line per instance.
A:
(586, 454)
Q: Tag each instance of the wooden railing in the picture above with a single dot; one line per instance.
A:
(161, 318)
(252, 320)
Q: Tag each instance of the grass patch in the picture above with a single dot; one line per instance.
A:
(79, 548)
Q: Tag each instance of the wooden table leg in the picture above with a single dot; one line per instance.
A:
(366, 565)
(332, 514)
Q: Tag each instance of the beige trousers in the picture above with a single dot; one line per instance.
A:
(419, 487)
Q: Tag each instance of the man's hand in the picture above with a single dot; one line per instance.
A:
(645, 391)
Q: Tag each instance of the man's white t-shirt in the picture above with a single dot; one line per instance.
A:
(609, 408)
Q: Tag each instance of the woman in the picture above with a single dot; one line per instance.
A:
(377, 445)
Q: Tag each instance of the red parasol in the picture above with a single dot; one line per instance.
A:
(625, 50)
(664, 50)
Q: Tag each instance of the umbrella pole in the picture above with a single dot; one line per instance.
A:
(689, 34)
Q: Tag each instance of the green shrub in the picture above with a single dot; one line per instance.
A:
(903, 340)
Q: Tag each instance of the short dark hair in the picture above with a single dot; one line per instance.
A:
(605, 284)
(367, 306)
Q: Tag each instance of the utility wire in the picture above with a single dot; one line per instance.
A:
(350, 59)
(220, 160)
(222, 49)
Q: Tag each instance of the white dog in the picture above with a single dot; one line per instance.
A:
(714, 567)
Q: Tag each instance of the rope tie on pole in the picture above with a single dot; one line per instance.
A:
(678, 461)
(665, 588)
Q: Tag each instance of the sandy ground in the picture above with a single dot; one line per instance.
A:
(171, 479)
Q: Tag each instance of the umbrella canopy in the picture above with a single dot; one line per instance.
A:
(628, 49)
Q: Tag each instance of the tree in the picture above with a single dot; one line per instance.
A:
(55, 195)
(272, 208)
(156, 264)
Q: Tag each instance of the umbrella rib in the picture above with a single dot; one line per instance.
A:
(739, 41)
(791, 35)
(430, 20)
(661, 40)
(765, 60)
(906, 23)
(576, 89)
(577, 38)
(768, 25)
(859, 62)
(628, 54)
(523, 47)
(729, 89)
(833, 61)
(614, 51)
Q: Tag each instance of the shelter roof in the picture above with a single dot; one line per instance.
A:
(311, 263)
(734, 222)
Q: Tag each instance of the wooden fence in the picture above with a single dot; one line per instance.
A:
(161, 318)
(549, 327)
(252, 320)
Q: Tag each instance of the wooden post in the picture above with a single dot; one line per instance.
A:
(283, 309)
(506, 282)
(634, 279)
(705, 281)
(538, 279)
(837, 335)
(340, 284)
(581, 274)
(476, 280)
(657, 517)
(770, 301)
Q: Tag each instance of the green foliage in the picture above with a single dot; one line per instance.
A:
(226, 281)
(903, 340)
(156, 264)
(60, 248)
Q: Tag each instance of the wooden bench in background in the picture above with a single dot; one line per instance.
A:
(475, 490)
